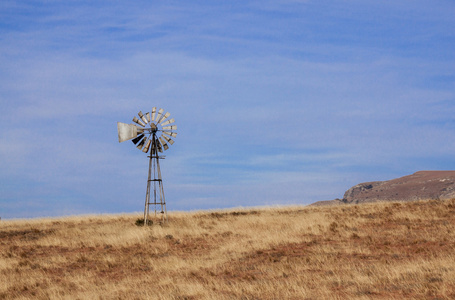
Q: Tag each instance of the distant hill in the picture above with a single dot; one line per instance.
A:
(421, 185)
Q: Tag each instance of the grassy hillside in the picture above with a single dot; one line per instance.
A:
(369, 251)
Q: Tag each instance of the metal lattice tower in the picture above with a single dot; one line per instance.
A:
(156, 180)
(145, 137)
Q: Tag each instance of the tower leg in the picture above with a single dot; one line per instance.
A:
(162, 203)
(147, 195)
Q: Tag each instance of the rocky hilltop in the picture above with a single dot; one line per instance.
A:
(421, 185)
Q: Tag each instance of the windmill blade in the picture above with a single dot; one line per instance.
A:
(165, 145)
(169, 133)
(126, 131)
(159, 115)
(147, 115)
(164, 117)
(153, 114)
(168, 139)
(141, 144)
(158, 145)
(141, 115)
(136, 120)
(168, 122)
(136, 140)
(172, 127)
(147, 146)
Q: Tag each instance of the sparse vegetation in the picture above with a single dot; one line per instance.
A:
(140, 222)
(370, 251)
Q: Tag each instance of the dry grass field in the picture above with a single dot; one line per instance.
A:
(369, 251)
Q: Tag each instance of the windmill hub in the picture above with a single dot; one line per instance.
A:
(145, 136)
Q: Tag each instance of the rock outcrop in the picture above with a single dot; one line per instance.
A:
(421, 185)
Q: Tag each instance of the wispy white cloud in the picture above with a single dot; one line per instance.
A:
(275, 102)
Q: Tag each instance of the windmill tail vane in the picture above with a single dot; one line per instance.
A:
(152, 133)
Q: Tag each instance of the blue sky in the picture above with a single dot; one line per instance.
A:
(277, 102)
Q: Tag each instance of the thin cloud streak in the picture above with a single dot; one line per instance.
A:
(275, 103)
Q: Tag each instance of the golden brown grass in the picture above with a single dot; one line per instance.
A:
(369, 251)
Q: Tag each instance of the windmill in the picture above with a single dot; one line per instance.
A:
(152, 134)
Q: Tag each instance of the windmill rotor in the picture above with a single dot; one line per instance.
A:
(146, 125)
(152, 133)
